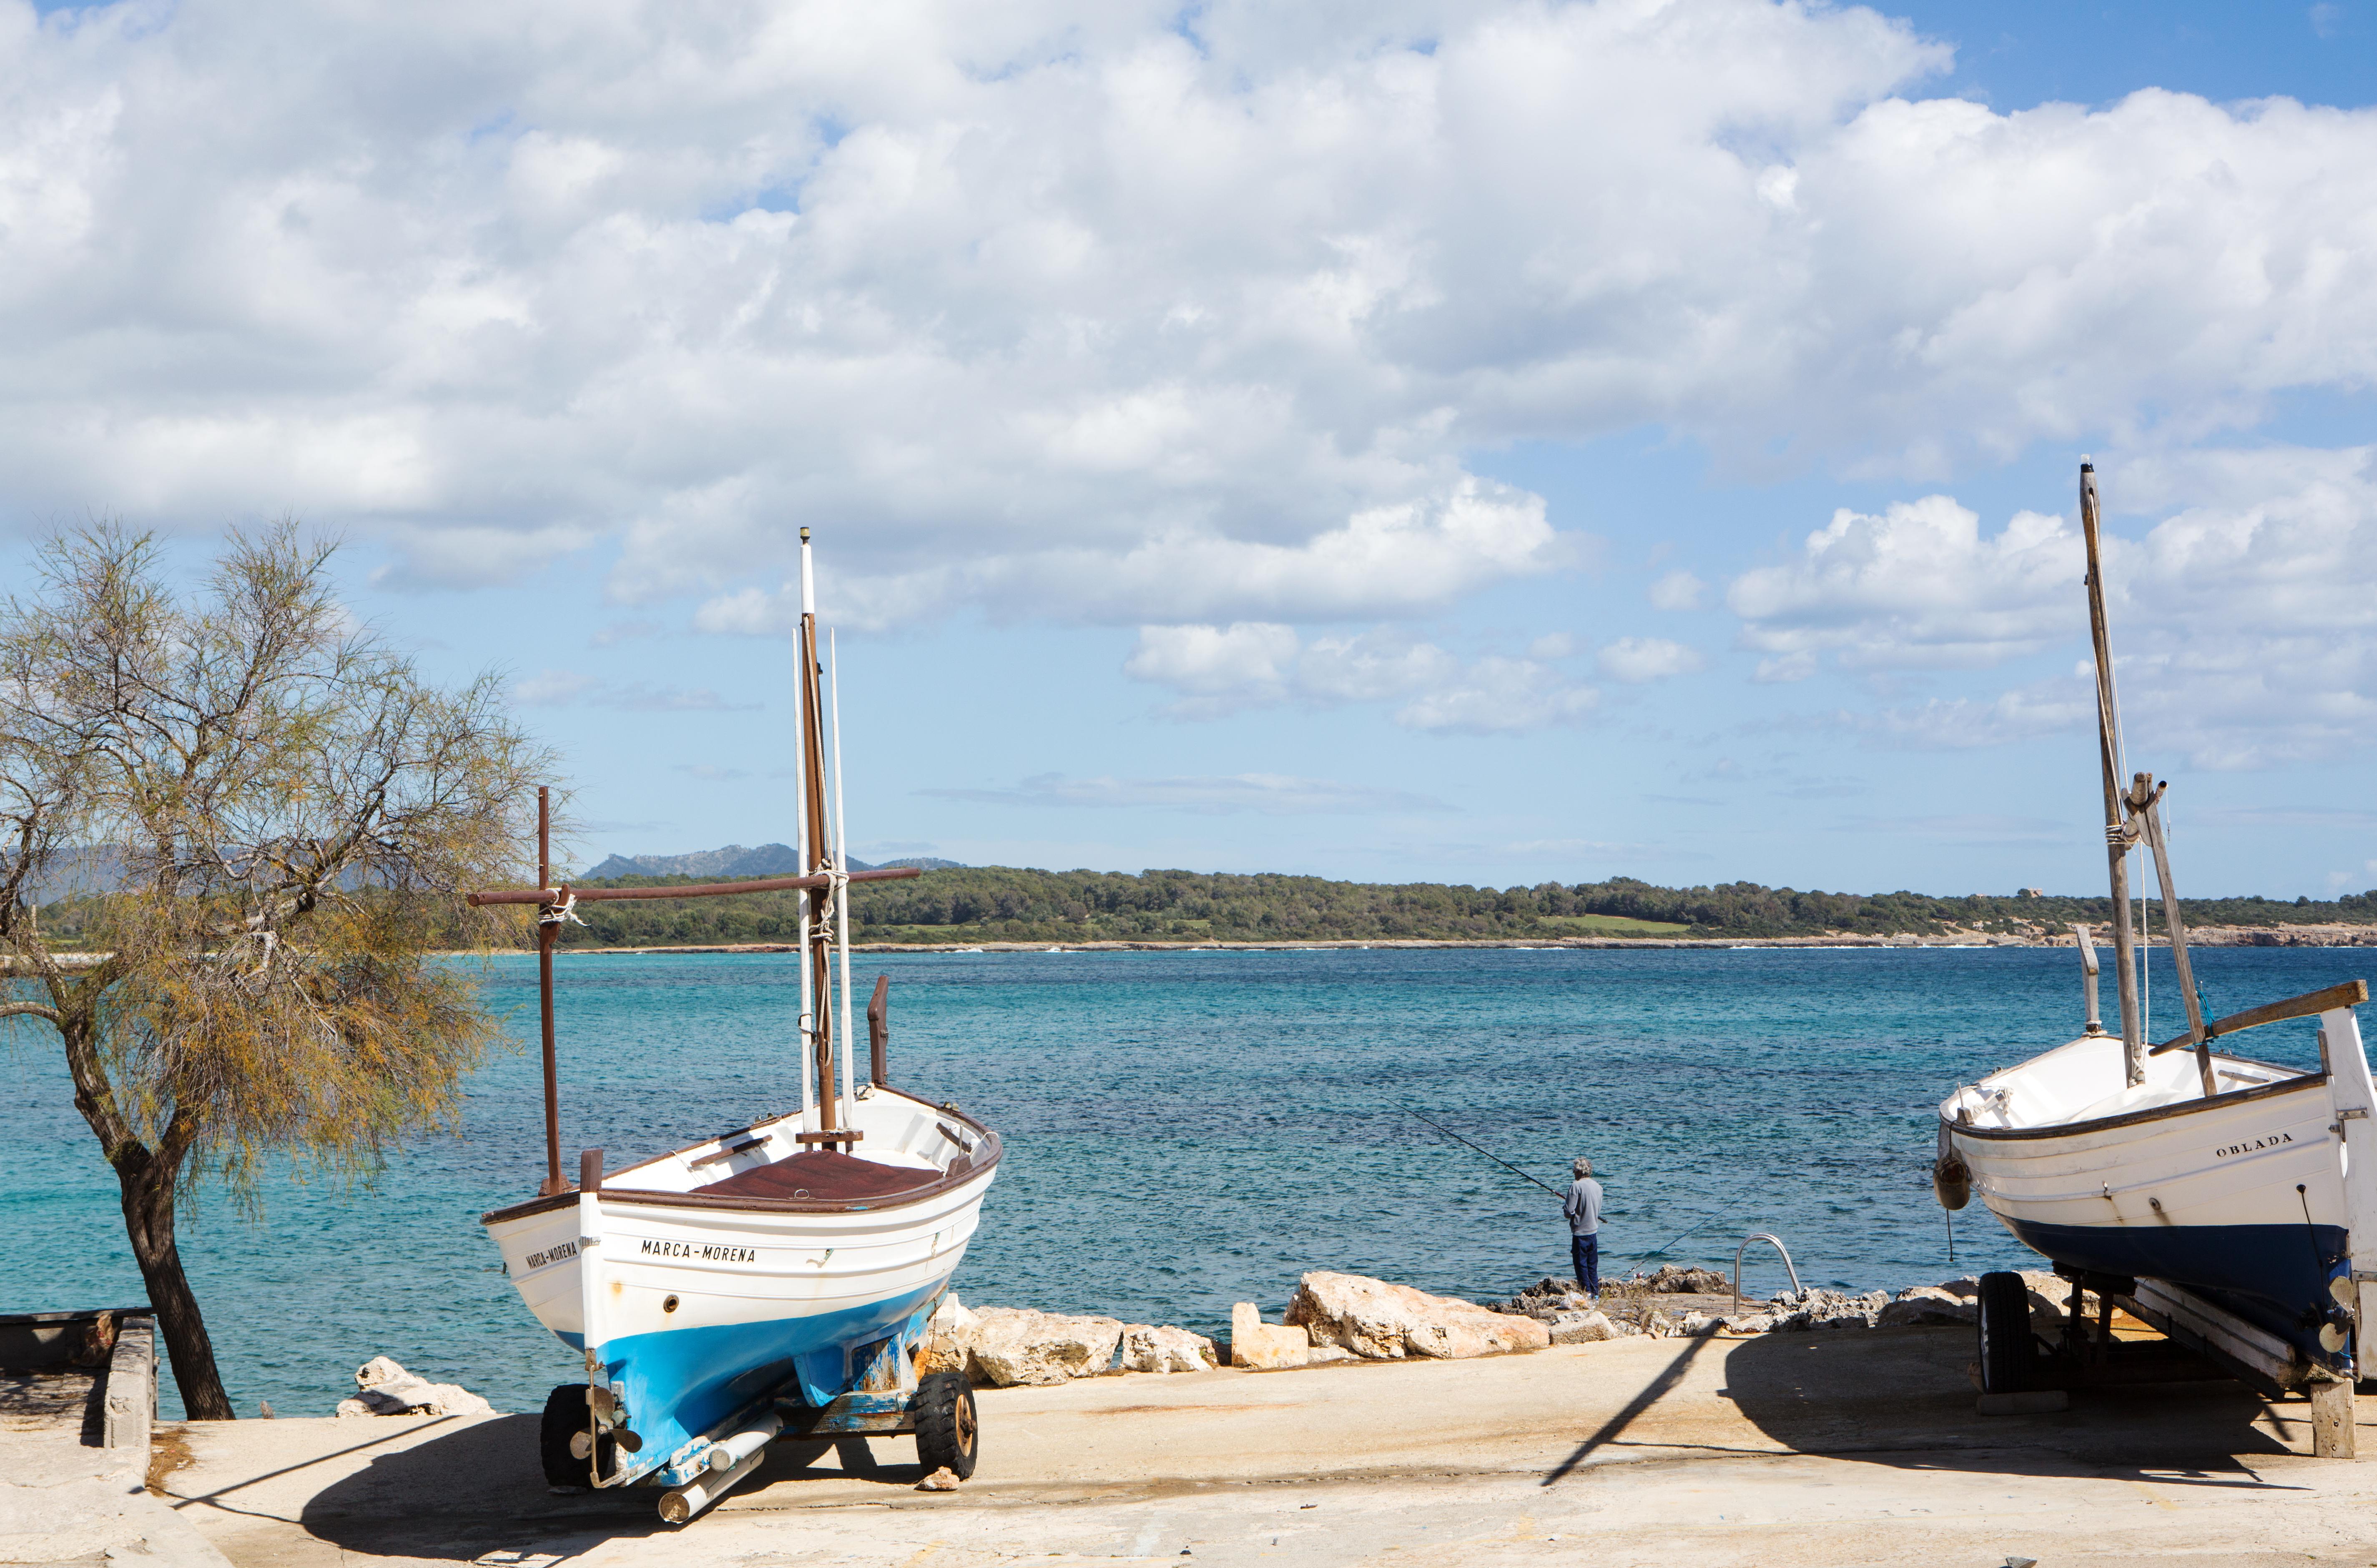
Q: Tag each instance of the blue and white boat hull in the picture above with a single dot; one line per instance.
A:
(695, 1306)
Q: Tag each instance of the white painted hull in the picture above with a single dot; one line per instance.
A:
(2261, 1194)
(698, 1306)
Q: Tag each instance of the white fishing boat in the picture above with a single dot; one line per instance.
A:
(777, 1277)
(2247, 1189)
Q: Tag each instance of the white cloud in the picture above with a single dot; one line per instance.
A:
(1678, 591)
(1107, 312)
(473, 556)
(1973, 828)
(2244, 626)
(1414, 555)
(551, 688)
(1640, 658)
(1244, 663)
(558, 689)
(1916, 587)
(1219, 670)
(1271, 794)
(1554, 645)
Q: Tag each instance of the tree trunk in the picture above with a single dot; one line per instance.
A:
(148, 1185)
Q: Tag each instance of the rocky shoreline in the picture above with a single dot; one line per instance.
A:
(1340, 1317)
(1337, 1318)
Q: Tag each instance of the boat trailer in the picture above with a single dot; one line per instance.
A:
(886, 1398)
(2022, 1372)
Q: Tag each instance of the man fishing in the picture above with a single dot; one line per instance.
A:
(1582, 1206)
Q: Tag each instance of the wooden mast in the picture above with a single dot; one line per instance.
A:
(820, 855)
(2116, 849)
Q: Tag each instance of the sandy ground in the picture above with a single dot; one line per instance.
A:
(66, 1500)
(1821, 1450)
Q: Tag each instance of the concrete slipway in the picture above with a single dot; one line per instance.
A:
(1817, 1449)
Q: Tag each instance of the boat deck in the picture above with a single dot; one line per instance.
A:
(823, 1176)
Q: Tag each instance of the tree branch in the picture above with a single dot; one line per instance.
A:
(28, 1009)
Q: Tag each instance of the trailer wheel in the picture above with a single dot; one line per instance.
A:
(948, 1435)
(2007, 1350)
(567, 1417)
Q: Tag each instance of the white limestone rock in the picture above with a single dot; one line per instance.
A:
(1801, 1311)
(949, 1338)
(1385, 1323)
(1583, 1328)
(385, 1388)
(1265, 1346)
(1016, 1345)
(1146, 1348)
(1924, 1304)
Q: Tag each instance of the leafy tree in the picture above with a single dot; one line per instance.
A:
(265, 818)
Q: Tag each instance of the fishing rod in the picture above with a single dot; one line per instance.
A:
(1506, 1164)
(1656, 1252)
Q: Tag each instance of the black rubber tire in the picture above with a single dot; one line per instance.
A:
(564, 1417)
(948, 1435)
(2008, 1348)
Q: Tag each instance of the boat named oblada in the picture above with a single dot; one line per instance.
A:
(778, 1277)
(2231, 1199)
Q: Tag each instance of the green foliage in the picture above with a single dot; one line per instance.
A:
(1005, 903)
(261, 821)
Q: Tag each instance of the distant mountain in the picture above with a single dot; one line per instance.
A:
(734, 861)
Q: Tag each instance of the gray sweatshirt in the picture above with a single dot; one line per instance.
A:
(1582, 1206)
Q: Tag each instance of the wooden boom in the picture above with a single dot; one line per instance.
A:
(2352, 993)
(701, 890)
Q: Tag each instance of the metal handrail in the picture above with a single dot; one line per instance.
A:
(1738, 1252)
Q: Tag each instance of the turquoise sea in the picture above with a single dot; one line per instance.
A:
(1184, 1130)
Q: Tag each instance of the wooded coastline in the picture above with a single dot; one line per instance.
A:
(990, 907)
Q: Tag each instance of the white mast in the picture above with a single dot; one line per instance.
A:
(800, 797)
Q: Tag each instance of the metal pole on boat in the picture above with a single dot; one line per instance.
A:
(2088, 978)
(547, 930)
(2109, 744)
(842, 891)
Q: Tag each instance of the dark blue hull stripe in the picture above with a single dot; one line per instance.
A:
(2269, 1275)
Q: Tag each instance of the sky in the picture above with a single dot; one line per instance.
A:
(1491, 443)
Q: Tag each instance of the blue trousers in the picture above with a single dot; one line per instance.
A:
(1588, 1263)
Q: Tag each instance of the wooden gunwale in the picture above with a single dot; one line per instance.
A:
(987, 1151)
(2153, 1113)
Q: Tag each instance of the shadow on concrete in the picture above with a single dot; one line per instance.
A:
(478, 1489)
(1905, 1396)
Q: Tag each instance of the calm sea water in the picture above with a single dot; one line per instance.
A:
(1184, 1130)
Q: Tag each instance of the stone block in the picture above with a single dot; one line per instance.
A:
(1266, 1346)
(1016, 1345)
(1380, 1322)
